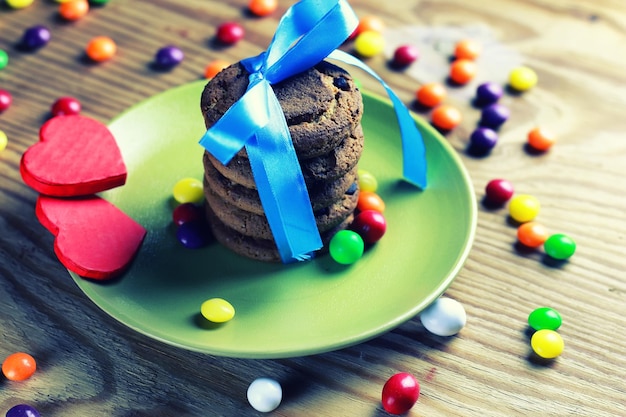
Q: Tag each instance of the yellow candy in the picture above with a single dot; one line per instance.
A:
(19, 4)
(524, 208)
(547, 343)
(3, 141)
(188, 190)
(217, 310)
(369, 43)
(367, 182)
(522, 78)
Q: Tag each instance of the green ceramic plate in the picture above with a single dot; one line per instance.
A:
(281, 310)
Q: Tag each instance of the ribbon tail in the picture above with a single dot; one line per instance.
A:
(413, 151)
(282, 189)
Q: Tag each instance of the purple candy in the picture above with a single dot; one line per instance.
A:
(169, 56)
(488, 93)
(483, 140)
(36, 37)
(192, 234)
(494, 115)
(22, 410)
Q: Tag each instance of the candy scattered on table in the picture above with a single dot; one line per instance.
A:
(405, 55)
(524, 208)
(188, 190)
(35, 37)
(101, 48)
(229, 33)
(64, 106)
(192, 235)
(494, 115)
(262, 7)
(19, 366)
(73, 9)
(217, 310)
(370, 225)
(547, 343)
(4, 59)
(532, 234)
(369, 200)
(369, 43)
(370, 23)
(264, 394)
(346, 247)
(483, 140)
(4, 141)
(214, 67)
(444, 317)
(544, 318)
(522, 78)
(5, 100)
(468, 49)
(367, 181)
(431, 94)
(559, 246)
(168, 57)
(187, 212)
(446, 117)
(462, 71)
(19, 4)
(541, 139)
(488, 93)
(499, 191)
(400, 393)
(23, 410)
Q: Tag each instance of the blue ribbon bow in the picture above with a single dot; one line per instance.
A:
(310, 31)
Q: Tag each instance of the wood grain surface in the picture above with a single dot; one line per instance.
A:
(89, 364)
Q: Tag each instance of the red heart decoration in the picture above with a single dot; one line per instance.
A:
(93, 238)
(75, 156)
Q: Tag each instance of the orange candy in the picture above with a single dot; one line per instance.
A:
(373, 23)
(532, 234)
(431, 94)
(19, 366)
(214, 67)
(262, 7)
(101, 48)
(462, 71)
(446, 117)
(369, 200)
(467, 49)
(74, 9)
(541, 139)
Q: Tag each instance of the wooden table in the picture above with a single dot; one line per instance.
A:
(89, 364)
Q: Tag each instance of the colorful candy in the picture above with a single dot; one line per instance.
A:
(467, 49)
(547, 343)
(483, 140)
(4, 141)
(192, 235)
(22, 410)
(446, 117)
(187, 212)
(541, 139)
(369, 43)
(101, 48)
(188, 190)
(559, 246)
(431, 94)
(400, 393)
(262, 7)
(367, 181)
(217, 310)
(73, 9)
(19, 366)
(494, 115)
(230, 33)
(524, 208)
(4, 59)
(444, 317)
(544, 318)
(488, 93)
(264, 394)
(65, 106)
(499, 191)
(532, 234)
(19, 4)
(5, 100)
(99, 2)
(168, 57)
(370, 225)
(35, 37)
(405, 55)
(522, 78)
(463, 71)
(369, 200)
(370, 23)
(346, 247)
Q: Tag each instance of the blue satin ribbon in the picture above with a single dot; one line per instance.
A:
(309, 31)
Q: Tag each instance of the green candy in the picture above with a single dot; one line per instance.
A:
(346, 247)
(4, 59)
(559, 246)
(544, 318)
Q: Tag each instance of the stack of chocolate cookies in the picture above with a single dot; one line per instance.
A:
(323, 109)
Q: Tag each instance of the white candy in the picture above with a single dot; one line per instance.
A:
(264, 394)
(444, 317)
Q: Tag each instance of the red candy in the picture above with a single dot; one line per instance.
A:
(66, 106)
(499, 191)
(5, 100)
(405, 55)
(370, 225)
(185, 213)
(230, 33)
(400, 393)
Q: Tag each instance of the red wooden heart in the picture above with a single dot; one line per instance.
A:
(75, 156)
(94, 238)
